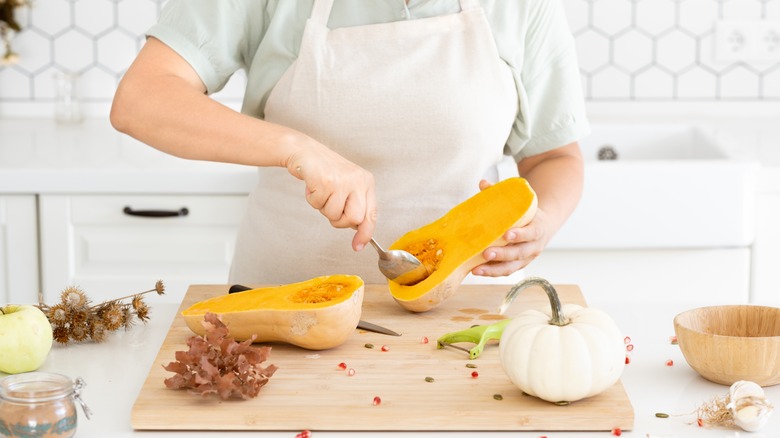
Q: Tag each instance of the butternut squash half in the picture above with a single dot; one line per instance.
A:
(452, 246)
(316, 314)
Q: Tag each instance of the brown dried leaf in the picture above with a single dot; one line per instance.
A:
(215, 363)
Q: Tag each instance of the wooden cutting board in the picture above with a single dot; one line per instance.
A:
(309, 391)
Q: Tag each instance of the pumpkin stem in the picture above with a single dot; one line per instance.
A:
(555, 303)
(478, 335)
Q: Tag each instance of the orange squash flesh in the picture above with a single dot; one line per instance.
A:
(452, 246)
(316, 314)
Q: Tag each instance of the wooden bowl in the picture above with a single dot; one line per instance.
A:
(729, 343)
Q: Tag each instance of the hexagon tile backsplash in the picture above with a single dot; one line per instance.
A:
(629, 50)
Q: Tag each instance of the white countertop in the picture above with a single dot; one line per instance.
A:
(116, 370)
(41, 156)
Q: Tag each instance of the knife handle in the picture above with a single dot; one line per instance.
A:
(237, 288)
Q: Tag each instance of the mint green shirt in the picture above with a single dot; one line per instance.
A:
(262, 37)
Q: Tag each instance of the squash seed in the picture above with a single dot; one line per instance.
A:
(369, 345)
(562, 403)
(471, 365)
(498, 397)
(661, 415)
(429, 379)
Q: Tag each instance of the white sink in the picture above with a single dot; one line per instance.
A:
(671, 186)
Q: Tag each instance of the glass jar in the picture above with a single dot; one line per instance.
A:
(67, 105)
(40, 405)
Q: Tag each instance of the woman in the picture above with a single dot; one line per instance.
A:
(390, 112)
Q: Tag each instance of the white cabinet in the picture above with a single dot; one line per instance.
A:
(18, 249)
(97, 242)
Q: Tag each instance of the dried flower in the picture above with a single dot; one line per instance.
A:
(216, 364)
(75, 319)
(9, 25)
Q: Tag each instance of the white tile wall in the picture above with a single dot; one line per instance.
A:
(630, 50)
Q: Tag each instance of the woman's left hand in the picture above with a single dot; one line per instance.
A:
(557, 177)
(524, 244)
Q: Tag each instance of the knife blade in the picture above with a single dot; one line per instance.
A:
(364, 325)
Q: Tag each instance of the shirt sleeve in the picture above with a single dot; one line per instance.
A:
(212, 36)
(552, 107)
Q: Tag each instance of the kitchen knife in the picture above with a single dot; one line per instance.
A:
(364, 325)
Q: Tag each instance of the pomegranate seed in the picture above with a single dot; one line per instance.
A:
(342, 366)
(669, 362)
(376, 401)
(700, 422)
(424, 340)
(627, 340)
(630, 347)
(628, 360)
(673, 340)
(474, 374)
(351, 372)
(305, 434)
(617, 432)
(385, 348)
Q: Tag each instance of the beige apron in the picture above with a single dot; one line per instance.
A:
(426, 105)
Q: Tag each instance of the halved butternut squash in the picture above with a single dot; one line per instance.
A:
(452, 246)
(316, 314)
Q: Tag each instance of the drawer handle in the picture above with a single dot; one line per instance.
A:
(184, 211)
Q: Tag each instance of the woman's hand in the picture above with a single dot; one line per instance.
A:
(341, 190)
(557, 178)
(524, 244)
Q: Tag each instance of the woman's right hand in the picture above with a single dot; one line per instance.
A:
(340, 189)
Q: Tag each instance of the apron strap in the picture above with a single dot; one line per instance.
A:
(468, 4)
(321, 11)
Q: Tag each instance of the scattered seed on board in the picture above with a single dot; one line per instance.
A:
(498, 397)
(562, 403)
(369, 345)
(471, 365)
(429, 379)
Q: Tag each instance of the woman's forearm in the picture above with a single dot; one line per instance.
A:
(162, 103)
(557, 178)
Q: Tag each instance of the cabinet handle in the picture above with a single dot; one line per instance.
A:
(184, 211)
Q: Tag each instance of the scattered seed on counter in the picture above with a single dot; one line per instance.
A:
(498, 397)
(429, 379)
(669, 362)
(661, 415)
(369, 345)
(628, 360)
(630, 347)
(627, 340)
(673, 340)
(617, 431)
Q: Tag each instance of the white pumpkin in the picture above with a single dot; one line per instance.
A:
(561, 354)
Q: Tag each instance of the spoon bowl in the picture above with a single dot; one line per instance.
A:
(400, 266)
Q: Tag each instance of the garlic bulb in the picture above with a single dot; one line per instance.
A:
(748, 405)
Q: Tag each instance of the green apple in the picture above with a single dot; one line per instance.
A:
(25, 338)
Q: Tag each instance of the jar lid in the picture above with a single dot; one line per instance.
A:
(36, 387)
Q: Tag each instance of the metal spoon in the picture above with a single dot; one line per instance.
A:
(400, 266)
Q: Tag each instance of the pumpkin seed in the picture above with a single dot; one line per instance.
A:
(429, 379)
(562, 403)
(498, 397)
(470, 365)
(661, 415)
(369, 345)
